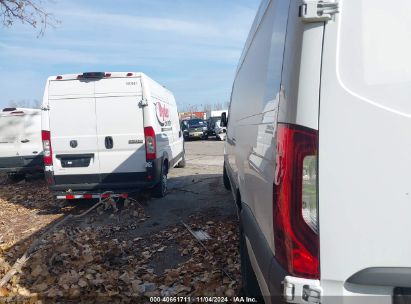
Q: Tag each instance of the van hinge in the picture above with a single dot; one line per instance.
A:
(143, 102)
(317, 10)
(45, 108)
(299, 290)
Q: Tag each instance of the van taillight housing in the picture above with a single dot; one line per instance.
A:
(151, 145)
(47, 151)
(295, 203)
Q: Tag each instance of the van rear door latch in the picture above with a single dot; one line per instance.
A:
(317, 10)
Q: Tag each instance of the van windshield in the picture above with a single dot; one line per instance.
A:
(374, 52)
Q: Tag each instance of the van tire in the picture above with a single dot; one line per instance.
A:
(160, 190)
(15, 177)
(182, 162)
(226, 180)
(250, 285)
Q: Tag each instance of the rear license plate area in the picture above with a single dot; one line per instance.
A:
(402, 295)
(75, 161)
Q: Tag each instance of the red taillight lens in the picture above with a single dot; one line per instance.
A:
(296, 242)
(150, 137)
(47, 151)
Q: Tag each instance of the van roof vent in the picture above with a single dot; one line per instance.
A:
(9, 109)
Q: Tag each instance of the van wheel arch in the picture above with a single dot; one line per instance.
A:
(165, 162)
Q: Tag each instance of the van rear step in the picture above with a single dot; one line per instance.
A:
(91, 196)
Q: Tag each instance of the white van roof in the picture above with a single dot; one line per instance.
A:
(98, 75)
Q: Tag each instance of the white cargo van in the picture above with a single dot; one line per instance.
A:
(318, 152)
(115, 132)
(20, 142)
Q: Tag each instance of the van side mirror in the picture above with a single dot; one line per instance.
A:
(224, 121)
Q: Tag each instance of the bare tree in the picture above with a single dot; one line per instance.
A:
(27, 12)
(218, 106)
(207, 107)
(226, 105)
(35, 104)
(192, 108)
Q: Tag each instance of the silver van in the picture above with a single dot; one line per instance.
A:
(318, 152)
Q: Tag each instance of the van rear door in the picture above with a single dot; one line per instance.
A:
(11, 126)
(365, 148)
(73, 131)
(120, 129)
(30, 138)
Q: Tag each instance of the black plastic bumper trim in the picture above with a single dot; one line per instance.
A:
(272, 272)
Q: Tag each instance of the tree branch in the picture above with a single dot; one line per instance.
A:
(28, 12)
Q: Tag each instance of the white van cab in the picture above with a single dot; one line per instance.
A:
(20, 142)
(318, 152)
(115, 132)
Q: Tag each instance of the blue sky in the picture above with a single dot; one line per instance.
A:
(190, 46)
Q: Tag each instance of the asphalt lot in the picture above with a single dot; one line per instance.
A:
(197, 188)
(141, 250)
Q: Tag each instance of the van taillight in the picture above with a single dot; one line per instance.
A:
(295, 203)
(150, 137)
(47, 151)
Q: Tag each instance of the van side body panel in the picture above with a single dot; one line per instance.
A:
(278, 82)
(250, 147)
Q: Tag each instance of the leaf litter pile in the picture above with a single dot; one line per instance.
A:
(103, 258)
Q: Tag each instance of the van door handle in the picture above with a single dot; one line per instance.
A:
(109, 142)
(25, 141)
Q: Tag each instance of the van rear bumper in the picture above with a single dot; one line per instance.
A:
(21, 164)
(118, 182)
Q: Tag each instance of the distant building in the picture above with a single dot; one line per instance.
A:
(191, 115)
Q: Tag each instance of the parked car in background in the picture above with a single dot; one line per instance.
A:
(123, 135)
(220, 131)
(20, 142)
(211, 124)
(318, 151)
(194, 129)
(212, 118)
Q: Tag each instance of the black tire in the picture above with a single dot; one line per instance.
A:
(160, 190)
(226, 181)
(250, 285)
(182, 162)
(15, 177)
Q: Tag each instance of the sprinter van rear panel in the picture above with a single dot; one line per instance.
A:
(100, 127)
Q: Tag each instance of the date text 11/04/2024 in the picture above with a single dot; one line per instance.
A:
(202, 300)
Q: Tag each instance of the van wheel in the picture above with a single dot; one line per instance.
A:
(182, 162)
(226, 181)
(15, 177)
(250, 285)
(160, 190)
